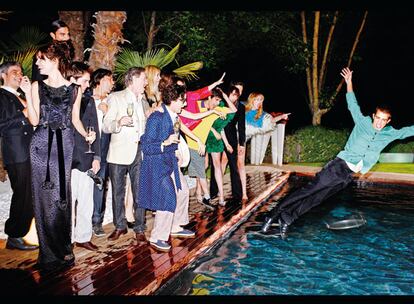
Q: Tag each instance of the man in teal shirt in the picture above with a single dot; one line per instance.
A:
(368, 138)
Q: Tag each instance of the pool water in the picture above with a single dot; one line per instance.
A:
(374, 259)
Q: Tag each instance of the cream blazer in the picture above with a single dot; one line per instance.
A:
(124, 140)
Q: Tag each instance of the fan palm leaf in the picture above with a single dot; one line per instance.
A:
(27, 37)
(25, 58)
(188, 70)
(128, 58)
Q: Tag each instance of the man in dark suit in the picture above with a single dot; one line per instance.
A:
(82, 185)
(16, 133)
(236, 136)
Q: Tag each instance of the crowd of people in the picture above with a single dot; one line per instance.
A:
(66, 135)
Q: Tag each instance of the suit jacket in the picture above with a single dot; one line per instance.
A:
(81, 160)
(124, 140)
(236, 129)
(15, 129)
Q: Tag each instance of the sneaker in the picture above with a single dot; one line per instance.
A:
(161, 245)
(185, 233)
(207, 203)
(98, 231)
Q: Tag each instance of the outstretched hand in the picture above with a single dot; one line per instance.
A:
(346, 73)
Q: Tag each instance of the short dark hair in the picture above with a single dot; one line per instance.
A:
(5, 66)
(77, 69)
(233, 88)
(172, 92)
(383, 108)
(235, 83)
(57, 24)
(97, 76)
(134, 71)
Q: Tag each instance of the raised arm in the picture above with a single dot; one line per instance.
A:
(353, 106)
(33, 102)
(231, 105)
(186, 114)
(218, 82)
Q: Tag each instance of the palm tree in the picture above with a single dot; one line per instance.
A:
(107, 32)
(128, 58)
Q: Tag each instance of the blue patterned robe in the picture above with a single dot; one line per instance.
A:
(156, 187)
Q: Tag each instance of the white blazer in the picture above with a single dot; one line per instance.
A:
(124, 140)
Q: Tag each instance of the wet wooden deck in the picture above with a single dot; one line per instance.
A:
(127, 268)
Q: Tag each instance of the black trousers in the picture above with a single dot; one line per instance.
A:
(21, 207)
(117, 173)
(334, 177)
(236, 187)
(99, 196)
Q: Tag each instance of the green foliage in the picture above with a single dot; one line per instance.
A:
(400, 146)
(314, 144)
(22, 46)
(127, 58)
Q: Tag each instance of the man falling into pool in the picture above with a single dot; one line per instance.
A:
(361, 152)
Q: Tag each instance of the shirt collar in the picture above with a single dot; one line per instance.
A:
(11, 90)
(173, 115)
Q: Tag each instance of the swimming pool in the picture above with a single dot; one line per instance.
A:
(375, 259)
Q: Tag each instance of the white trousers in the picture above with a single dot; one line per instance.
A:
(82, 192)
(166, 222)
(278, 140)
(259, 143)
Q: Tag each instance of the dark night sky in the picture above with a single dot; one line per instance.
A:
(383, 75)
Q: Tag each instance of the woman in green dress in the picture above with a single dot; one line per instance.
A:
(216, 140)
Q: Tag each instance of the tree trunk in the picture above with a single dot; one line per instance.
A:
(152, 31)
(314, 67)
(322, 72)
(107, 32)
(76, 23)
(351, 55)
(308, 73)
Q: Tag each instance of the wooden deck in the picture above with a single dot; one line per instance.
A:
(127, 268)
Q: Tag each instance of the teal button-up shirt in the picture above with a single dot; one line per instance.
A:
(365, 142)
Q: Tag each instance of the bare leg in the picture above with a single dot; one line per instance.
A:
(218, 174)
(224, 161)
(242, 172)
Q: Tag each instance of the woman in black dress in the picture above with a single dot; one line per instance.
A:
(54, 109)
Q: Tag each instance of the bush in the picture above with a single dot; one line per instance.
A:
(314, 144)
(400, 146)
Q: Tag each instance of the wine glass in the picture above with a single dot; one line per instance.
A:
(90, 129)
(176, 127)
(130, 112)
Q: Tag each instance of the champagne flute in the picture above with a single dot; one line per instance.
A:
(130, 112)
(90, 129)
(176, 127)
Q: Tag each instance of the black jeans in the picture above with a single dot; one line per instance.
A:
(99, 197)
(21, 206)
(334, 177)
(117, 173)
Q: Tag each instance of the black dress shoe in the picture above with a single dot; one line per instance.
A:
(267, 223)
(88, 245)
(116, 234)
(140, 236)
(283, 227)
(130, 224)
(20, 244)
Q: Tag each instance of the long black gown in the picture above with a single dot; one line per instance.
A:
(51, 152)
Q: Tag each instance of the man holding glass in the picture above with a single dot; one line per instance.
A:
(124, 154)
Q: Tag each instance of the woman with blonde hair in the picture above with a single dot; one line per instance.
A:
(259, 122)
(152, 92)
